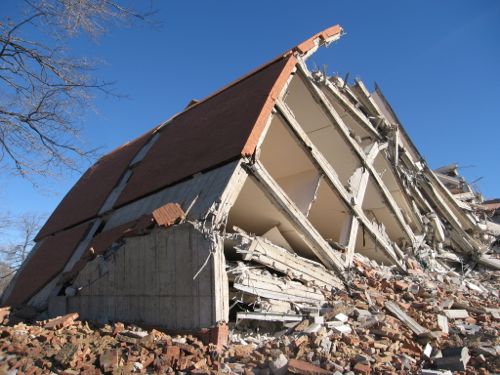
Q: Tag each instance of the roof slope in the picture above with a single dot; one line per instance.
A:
(205, 135)
(85, 199)
(46, 262)
(220, 128)
(208, 134)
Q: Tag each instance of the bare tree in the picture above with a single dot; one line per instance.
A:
(17, 240)
(15, 252)
(43, 88)
(6, 274)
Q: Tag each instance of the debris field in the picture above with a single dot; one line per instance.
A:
(420, 323)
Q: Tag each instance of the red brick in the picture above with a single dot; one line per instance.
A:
(4, 313)
(219, 336)
(242, 351)
(297, 366)
(172, 355)
(62, 321)
(361, 368)
(168, 214)
(109, 360)
(400, 285)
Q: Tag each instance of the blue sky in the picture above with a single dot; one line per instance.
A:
(438, 63)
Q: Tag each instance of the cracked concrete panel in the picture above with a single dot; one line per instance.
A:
(155, 284)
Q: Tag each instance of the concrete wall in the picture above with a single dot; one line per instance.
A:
(150, 280)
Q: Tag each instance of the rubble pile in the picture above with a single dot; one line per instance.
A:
(424, 322)
(65, 346)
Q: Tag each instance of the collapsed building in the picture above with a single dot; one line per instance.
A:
(251, 204)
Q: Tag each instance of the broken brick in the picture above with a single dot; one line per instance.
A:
(219, 336)
(109, 360)
(61, 321)
(172, 355)
(4, 313)
(362, 368)
(301, 367)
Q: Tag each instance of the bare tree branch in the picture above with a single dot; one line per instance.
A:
(21, 232)
(6, 274)
(25, 227)
(44, 90)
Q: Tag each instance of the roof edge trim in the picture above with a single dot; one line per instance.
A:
(325, 37)
(304, 50)
(267, 109)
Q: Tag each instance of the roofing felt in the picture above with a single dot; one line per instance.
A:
(45, 263)
(85, 199)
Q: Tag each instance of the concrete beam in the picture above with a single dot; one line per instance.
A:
(351, 225)
(262, 251)
(334, 182)
(355, 113)
(344, 131)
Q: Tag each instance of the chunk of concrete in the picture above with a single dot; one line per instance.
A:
(443, 323)
(456, 313)
(342, 317)
(314, 327)
(428, 350)
(344, 328)
(278, 365)
(297, 366)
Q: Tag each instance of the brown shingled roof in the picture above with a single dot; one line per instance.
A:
(85, 199)
(220, 128)
(45, 263)
(209, 134)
